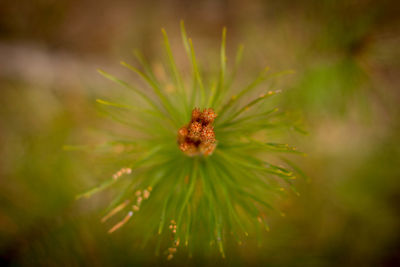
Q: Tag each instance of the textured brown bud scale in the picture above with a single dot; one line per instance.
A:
(198, 137)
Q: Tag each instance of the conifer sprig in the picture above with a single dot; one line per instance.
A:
(196, 160)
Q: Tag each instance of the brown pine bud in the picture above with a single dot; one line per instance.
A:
(183, 133)
(195, 127)
(207, 148)
(195, 130)
(184, 146)
(207, 134)
(196, 114)
(189, 148)
(208, 115)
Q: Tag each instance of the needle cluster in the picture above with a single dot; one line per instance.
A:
(213, 177)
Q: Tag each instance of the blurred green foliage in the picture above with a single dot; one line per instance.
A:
(347, 69)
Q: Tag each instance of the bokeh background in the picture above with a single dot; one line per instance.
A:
(346, 87)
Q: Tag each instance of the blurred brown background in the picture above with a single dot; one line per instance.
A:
(347, 61)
